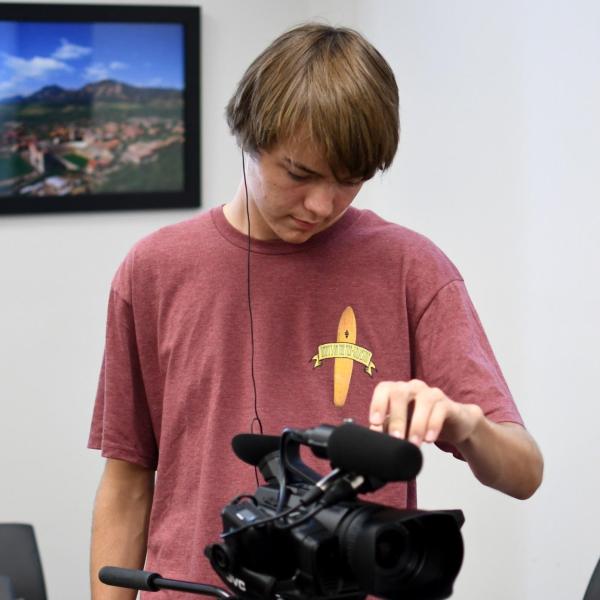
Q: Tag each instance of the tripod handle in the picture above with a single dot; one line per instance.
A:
(128, 578)
(135, 579)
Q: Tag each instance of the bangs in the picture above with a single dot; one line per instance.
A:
(328, 87)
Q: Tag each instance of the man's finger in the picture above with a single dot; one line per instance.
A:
(437, 419)
(379, 405)
(400, 395)
(424, 401)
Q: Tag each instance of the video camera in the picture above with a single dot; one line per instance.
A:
(304, 535)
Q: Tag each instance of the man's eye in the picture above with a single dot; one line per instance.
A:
(297, 177)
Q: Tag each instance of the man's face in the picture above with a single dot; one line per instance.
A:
(293, 193)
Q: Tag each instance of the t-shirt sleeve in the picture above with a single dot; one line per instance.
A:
(452, 352)
(121, 423)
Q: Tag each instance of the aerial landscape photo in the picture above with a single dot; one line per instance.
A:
(90, 108)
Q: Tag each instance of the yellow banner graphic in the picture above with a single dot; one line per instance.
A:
(345, 350)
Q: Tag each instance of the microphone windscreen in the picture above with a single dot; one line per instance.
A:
(252, 447)
(360, 450)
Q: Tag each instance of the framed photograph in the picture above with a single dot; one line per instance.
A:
(99, 107)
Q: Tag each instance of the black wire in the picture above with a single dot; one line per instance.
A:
(256, 418)
(259, 522)
(309, 515)
(318, 507)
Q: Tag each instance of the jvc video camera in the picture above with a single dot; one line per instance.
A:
(303, 535)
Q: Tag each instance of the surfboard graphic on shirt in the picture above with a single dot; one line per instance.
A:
(344, 352)
(342, 367)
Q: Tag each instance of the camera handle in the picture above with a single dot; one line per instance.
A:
(153, 582)
(292, 464)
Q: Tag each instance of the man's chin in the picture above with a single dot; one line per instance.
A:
(296, 237)
(291, 235)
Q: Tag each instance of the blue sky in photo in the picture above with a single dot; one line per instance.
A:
(33, 55)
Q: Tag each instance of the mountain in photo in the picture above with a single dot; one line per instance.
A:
(108, 90)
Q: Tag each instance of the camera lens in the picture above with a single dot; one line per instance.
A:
(400, 549)
(390, 548)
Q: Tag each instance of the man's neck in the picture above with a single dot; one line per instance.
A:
(235, 211)
(237, 217)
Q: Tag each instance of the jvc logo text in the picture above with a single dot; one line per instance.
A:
(237, 582)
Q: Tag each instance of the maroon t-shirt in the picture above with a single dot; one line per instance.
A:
(362, 302)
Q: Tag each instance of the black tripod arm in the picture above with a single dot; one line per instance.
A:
(135, 579)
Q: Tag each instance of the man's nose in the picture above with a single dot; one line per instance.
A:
(320, 201)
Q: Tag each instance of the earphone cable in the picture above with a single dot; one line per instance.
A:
(256, 418)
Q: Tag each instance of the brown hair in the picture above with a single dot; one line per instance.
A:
(325, 82)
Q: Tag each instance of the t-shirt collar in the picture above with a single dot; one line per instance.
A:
(235, 237)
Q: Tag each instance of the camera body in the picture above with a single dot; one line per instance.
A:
(302, 535)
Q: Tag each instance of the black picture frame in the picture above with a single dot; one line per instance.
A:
(185, 138)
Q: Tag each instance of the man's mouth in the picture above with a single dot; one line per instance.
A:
(305, 224)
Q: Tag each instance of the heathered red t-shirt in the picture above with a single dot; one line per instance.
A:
(366, 299)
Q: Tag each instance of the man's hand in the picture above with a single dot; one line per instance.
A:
(414, 411)
(501, 455)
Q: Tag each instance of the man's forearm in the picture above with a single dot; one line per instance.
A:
(505, 457)
(119, 532)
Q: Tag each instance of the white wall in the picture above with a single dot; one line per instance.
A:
(500, 165)
(499, 144)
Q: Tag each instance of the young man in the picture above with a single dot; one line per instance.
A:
(324, 312)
